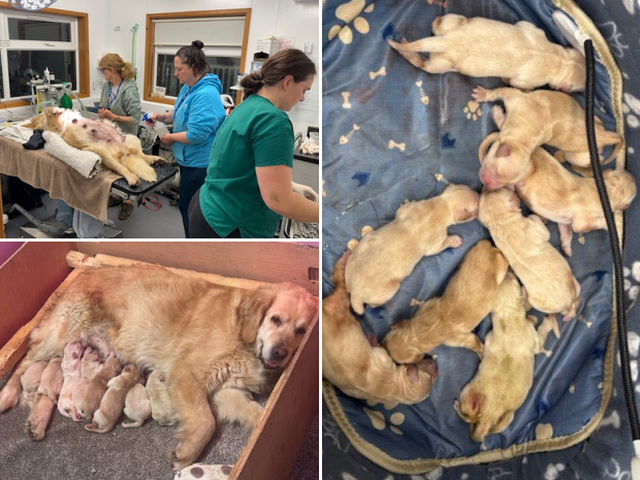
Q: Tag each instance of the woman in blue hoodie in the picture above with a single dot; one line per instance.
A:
(196, 116)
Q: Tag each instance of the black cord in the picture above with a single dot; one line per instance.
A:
(627, 380)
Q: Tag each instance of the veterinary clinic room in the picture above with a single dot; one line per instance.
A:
(138, 119)
(480, 253)
(148, 360)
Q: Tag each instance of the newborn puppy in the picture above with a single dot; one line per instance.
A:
(556, 194)
(480, 47)
(113, 400)
(30, 382)
(383, 258)
(359, 369)
(88, 401)
(450, 319)
(531, 120)
(71, 365)
(137, 406)
(161, 408)
(505, 374)
(48, 391)
(524, 241)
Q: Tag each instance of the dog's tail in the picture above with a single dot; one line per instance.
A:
(428, 44)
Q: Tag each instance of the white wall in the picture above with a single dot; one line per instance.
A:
(111, 23)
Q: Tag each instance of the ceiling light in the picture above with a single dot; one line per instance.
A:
(31, 5)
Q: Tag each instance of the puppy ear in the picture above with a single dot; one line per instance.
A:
(504, 150)
(252, 309)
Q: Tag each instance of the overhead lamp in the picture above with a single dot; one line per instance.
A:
(31, 5)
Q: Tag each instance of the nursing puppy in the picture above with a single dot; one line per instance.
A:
(505, 374)
(71, 372)
(480, 47)
(541, 117)
(554, 193)
(113, 400)
(120, 153)
(48, 392)
(384, 257)
(159, 320)
(137, 406)
(30, 381)
(450, 319)
(524, 241)
(159, 399)
(87, 400)
(356, 367)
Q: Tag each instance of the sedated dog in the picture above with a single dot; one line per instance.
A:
(119, 152)
(184, 327)
(356, 367)
(480, 47)
(532, 119)
(384, 257)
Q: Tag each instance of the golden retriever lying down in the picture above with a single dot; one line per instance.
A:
(450, 319)
(505, 374)
(121, 153)
(203, 336)
(359, 369)
(384, 257)
(524, 241)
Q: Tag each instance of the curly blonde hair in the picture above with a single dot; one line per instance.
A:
(115, 61)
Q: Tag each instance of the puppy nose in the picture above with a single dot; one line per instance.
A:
(278, 353)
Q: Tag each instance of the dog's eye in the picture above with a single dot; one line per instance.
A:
(276, 320)
(301, 331)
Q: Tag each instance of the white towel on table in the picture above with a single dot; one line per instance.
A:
(85, 163)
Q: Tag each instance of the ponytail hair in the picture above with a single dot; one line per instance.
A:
(193, 56)
(115, 61)
(285, 62)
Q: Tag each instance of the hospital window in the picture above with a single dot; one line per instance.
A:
(223, 32)
(31, 42)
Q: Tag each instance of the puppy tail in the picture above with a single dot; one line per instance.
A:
(429, 44)
(485, 144)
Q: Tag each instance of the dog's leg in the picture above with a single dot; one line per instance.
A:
(237, 405)
(113, 164)
(10, 393)
(566, 235)
(196, 420)
(139, 167)
(39, 417)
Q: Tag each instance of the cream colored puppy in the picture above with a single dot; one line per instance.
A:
(137, 406)
(71, 371)
(30, 381)
(532, 119)
(356, 367)
(89, 401)
(48, 391)
(480, 47)
(384, 257)
(524, 241)
(572, 201)
(113, 400)
(450, 319)
(505, 374)
(162, 410)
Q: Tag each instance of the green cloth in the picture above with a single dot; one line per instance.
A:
(126, 104)
(256, 134)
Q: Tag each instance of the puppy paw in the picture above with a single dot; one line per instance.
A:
(353, 243)
(9, 398)
(479, 94)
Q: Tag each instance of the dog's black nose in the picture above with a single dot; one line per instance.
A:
(278, 353)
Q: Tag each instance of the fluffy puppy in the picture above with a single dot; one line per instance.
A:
(71, 372)
(450, 319)
(356, 367)
(384, 257)
(113, 400)
(524, 241)
(480, 47)
(531, 120)
(554, 193)
(88, 399)
(159, 399)
(48, 391)
(30, 382)
(505, 375)
(137, 406)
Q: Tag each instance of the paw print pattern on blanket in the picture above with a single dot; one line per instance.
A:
(473, 110)
(348, 12)
(631, 108)
(631, 282)
(379, 422)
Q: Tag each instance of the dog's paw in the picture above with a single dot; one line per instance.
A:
(159, 161)
(479, 94)
(179, 459)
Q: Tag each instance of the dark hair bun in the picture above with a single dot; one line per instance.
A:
(198, 44)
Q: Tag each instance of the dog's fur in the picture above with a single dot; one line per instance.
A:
(160, 400)
(89, 401)
(48, 392)
(71, 371)
(156, 319)
(30, 381)
(480, 47)
(384, 257)
(450, 319)
(504, 378)
(541, 117)
(554, 193)
(137, 406)
(120, 153)
(113, 400)
(90, 365)
(524, 241)
(356, 367)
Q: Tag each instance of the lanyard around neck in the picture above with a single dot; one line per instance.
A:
(111, 98)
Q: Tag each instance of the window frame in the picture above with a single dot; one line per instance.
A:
(151, 54)
(79, 43)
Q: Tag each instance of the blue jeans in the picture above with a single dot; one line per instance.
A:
(191, 179)
(84, 225)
